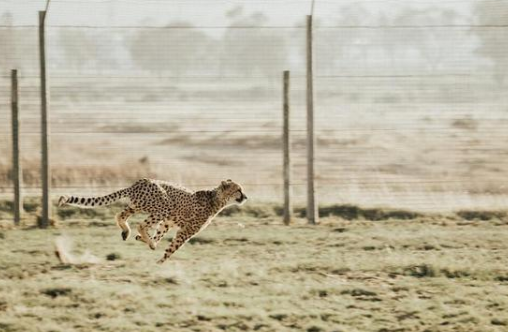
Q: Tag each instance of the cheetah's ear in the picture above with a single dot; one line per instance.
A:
(228, 180)
(224, 184)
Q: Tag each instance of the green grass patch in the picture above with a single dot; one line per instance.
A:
(385, 276)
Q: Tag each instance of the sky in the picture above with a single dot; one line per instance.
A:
(214, 16)
(201, 12)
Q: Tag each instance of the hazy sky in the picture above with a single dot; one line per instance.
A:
(216, 14)
(201, 12)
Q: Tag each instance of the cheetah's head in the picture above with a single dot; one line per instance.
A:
(233, 192)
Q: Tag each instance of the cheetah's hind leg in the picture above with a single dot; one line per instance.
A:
(161, 231)
(143, 235)
(121, 221)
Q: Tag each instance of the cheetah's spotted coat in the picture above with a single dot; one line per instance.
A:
(167, 206)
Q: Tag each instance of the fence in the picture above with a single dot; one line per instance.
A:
(410, 103)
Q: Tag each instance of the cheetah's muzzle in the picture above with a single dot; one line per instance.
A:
(242, 199)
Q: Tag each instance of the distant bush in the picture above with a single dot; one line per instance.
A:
(481, 215)
(344, 211)
(353, 212)
(75, 212)
(267, 210)
(30, 204)
(388, 98)
(256, 211)
(465, 124)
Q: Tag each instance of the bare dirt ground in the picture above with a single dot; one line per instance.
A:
(360, 270)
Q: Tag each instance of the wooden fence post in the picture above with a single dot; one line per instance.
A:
(286, 144)
(312, 213)
(45, 171)
(17, 175)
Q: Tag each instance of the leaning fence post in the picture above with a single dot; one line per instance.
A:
(286, 145)
(17, 175)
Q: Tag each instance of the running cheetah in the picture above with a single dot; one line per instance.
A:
(167, 206)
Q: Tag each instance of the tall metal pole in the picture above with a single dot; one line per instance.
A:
(17, 176)
(312, 213)
(45, 171)
(286, 144)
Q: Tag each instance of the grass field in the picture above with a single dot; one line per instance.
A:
(359, 270)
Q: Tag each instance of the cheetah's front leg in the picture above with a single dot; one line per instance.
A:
(182, 236)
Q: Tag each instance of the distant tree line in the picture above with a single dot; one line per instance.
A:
(181, 49)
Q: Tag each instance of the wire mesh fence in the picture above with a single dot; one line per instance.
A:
(409, 97)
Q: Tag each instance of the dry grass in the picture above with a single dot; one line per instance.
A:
(71, 175)
(247, 272)
(383, 146)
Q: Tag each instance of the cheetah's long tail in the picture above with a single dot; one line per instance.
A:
(90, 202)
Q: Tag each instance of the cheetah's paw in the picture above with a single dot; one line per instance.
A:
(125, 235)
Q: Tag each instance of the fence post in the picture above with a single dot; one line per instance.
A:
(17, 175)
(312, 213)
(46, 176)
(286, 144)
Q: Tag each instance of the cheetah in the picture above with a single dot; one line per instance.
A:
(167, 206)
